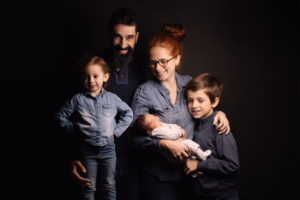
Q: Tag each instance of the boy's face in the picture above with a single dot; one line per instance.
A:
(94, 77)
(199, 104)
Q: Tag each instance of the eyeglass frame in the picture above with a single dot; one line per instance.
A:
(153, 63)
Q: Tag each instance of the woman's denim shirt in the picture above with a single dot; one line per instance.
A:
(152, 97)
(93, 118)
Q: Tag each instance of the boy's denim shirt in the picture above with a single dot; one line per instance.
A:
(93, 118)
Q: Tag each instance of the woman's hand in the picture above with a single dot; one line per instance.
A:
(183, 133)
(84, 182)
(190, 166)
(221, 122)
(179, 152)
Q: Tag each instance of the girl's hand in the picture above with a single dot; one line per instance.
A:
(178, 151)
(221, 122)
(190, 166)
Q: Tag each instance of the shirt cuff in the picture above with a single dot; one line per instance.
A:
(201, 165)
(156, 142)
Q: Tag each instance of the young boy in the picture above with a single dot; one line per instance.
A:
(152, 125)
(219, 170)
(91, 117)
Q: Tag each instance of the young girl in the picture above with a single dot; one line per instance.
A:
(90, 116)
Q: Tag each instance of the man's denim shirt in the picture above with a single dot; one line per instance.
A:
(152, 97)
(93, 118)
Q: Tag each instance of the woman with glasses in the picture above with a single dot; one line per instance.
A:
(162, 170)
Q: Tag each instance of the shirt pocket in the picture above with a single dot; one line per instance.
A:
(107, 110)
(162, 112)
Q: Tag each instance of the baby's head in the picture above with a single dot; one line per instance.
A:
(203, 94)
(148, 122)
(95, 74)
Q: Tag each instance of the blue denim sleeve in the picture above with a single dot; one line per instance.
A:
(65, 113)
(226, 162)
(141, 106)
(126, 116)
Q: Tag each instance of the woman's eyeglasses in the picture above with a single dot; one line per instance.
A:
(162, 62)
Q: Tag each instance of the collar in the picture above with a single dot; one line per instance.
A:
(179, 81)
(87, 94)
(207, 121)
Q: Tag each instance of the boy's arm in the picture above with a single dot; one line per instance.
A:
(126, 116)
(64, 113)
(226, 161)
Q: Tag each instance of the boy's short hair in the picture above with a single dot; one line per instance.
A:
(212, 86)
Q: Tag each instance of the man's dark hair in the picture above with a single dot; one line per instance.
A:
(122, 16)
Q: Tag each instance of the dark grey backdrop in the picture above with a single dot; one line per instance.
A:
(249, 45)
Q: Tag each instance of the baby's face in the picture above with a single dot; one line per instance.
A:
(152, 122)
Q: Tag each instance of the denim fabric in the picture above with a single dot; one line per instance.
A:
(94, 117)
(152, 97)
(100, 163)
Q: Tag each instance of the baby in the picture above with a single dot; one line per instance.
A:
(156, 128)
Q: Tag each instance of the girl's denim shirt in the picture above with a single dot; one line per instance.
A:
(93, 118)
(152, 97)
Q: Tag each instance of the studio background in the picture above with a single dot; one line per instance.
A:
(249, 45)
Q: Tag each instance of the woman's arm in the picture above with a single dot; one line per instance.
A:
(175, 149)
(140, 106)
(221, 122)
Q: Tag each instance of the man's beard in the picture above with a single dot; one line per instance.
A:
(121, 60)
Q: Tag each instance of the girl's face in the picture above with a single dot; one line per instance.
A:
(199, 104)
(162, 63)
(94, 77)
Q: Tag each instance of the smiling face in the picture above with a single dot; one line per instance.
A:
(199, 104)
(163, 74)
(124, 38)
(94, 77)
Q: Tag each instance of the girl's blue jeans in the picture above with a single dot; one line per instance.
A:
(100, 163)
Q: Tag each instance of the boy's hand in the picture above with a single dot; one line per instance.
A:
(221, 122)
(190, 166)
